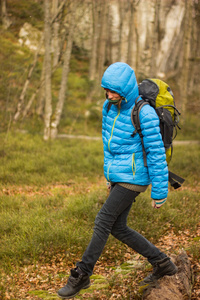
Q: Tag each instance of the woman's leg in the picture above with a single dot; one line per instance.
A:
(112, 218)
(134, 239)
(118, 201)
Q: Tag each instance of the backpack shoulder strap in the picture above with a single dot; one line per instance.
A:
(136, 123)
(135, 114)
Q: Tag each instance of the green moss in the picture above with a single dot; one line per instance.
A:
(43, 295)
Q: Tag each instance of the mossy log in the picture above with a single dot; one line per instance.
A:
(176, 287)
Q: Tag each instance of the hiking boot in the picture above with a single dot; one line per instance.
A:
(161, 268)
(77, 281)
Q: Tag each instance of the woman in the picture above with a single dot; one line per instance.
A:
(125, 171)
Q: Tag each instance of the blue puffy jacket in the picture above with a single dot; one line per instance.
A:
(123, 157)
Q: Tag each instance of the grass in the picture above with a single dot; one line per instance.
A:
(50, 194)
(32, 226)
(38, 183)
(47, 202)
(190, 127)
(27, 159)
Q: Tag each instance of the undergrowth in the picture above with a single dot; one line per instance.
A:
(46, 203)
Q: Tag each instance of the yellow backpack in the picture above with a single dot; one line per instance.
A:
(159, 95)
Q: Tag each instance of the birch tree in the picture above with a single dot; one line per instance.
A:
(102, 40)
(31, 70)
(121, 24)
(137, 56)
(154, 39)
(98, 45)
(27, 82)
(94, 41)
(40, 90)
(186, 54)
(65, 72)
(47, 61)
(194, 78)
(131, 35)
(55, 33)
(41, 93)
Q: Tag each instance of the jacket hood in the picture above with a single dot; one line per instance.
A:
(120, 78)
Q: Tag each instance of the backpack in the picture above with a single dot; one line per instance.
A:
(159, 95)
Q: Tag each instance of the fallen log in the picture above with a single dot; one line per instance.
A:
(176, 287)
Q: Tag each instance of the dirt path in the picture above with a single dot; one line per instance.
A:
(97, 138)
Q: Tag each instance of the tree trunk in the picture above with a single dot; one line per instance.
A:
(194, 86)
(186, 55)
(131, 35)
(108, 45)
(23, 93)
(176, 287)
(29, 104)
(137, 56)
(65, 72)
(4, 17)
(48, 96)
(55, 34)
(41, 93)
(121, 21)
(99, 43)
(40, 90)
(133, 38)
(27, 82)
(94, 41)
(102, 41)
(154, 40)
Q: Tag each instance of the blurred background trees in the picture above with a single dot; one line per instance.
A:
(54, 52)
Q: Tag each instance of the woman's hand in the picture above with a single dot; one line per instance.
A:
(158, 203)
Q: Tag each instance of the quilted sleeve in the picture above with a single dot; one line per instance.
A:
(155, 151)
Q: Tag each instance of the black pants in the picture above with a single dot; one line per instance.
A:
(112, 218)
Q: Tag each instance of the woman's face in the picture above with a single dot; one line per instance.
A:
(113, 96)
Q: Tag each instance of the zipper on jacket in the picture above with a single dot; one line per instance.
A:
(109, 169)
(133, 164)
(113, 129)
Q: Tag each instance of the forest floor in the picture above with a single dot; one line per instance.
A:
(42, 279)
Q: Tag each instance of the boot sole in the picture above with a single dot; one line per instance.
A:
(72, 296)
